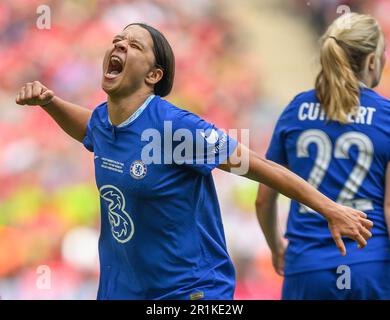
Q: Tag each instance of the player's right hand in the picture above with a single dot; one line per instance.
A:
(34, 94)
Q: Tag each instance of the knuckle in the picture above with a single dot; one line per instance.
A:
(355, 232)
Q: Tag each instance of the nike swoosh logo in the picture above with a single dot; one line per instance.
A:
(212, 137)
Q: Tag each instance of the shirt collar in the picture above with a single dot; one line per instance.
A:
(136, 114)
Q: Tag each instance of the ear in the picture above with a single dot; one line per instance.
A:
(154, 76)
(371, 62)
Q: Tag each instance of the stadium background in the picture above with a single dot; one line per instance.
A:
(238, 64)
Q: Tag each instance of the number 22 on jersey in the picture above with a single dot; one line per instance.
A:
(340, 150)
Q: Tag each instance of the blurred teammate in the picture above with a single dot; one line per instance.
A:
(161, 230)
(342, 147)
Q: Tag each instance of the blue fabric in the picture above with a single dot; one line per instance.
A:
(367, 281)
(161, 230)
(346, 162)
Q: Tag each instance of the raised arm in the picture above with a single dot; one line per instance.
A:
(72, 118)
(342, 220)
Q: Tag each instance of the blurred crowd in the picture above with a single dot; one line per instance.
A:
(320, 13)
(49, 209)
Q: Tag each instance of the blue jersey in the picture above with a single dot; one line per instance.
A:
(161, 231)
(346, 162)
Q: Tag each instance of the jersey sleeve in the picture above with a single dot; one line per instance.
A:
(199, 145)
(277, 148)
(88, 139)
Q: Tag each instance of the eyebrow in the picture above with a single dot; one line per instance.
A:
(121, 36)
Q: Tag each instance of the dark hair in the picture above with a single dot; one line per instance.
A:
(165, 59)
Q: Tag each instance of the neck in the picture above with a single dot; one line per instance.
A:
(121, 108)
(367, 80)
(365, 83)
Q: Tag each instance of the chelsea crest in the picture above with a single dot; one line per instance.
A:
(138, 169)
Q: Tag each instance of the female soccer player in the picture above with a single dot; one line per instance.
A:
(161, 230)
(337, 138)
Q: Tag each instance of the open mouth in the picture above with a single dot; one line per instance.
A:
(115, 67)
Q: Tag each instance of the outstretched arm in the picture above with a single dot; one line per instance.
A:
(72, 118)
(342, 221)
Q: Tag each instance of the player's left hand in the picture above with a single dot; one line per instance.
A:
(278, 257)
(350, 223)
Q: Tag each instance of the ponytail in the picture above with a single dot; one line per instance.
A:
(345, 47)
(337, 85)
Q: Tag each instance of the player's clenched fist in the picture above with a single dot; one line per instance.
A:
(34, 94)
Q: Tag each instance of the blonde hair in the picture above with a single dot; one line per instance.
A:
(344, 48)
